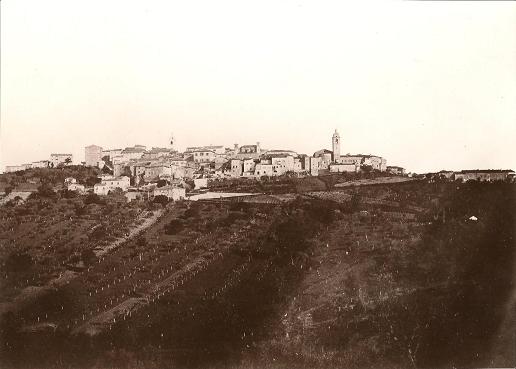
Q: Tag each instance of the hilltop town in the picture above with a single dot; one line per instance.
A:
(143, 172)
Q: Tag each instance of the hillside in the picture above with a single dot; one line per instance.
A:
(391, 275)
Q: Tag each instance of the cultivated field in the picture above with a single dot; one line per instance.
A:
(389, 275)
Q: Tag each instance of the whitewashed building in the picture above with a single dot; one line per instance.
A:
(171, 192)
(109, 185)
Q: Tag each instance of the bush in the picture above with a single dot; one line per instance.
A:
(68, 194)
(160, 199)
(97, 233)
(92, 181)
(45, 190)
(93, 198)
(191, 212)
(88, 257)
(174, 227)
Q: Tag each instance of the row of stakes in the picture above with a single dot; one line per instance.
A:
(152, 298)
(63, 262)
(157, 294)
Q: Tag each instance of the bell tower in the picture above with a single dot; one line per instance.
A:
(335, 143)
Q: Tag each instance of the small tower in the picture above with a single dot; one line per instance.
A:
(335, 143)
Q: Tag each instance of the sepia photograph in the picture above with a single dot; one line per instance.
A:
(293, 184)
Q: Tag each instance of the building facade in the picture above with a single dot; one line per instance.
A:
(60, 159)
(93, 155)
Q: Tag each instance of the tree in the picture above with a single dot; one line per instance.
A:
(92, 198)
(88, 257)
(68, 161)
(97, 233)
(92, 181)
(174, 227)
(162, 183)
(45, 190)
(8, 190)
(160, 199)
(68, 194)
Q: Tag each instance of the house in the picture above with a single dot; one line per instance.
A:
(373, 161)
(14, 168)
(237, 167)
(76, 187)
(248, 166)
(247, 151)
(396, 170)
(200, 183)
(93, 155)
(340, 168)
(111, 184)
(129, 153)
(156, 153)
(203, 155)
(111, 153)
(263, 169)
(60, 159)
(282, 163)
(325, 157)
(219, 150)
(171, 192)
(152, 172)
(485, 175)
(40, 164)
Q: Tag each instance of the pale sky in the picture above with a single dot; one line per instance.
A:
(427, 85)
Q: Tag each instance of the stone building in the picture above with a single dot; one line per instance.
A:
(396, 170)
(111, 184)
(373, 161)
(341, 167)
(171, 192)
(325, 158)
(60, 159)
(247, 151)
(40, 164)
(93, 155)
(217, 149)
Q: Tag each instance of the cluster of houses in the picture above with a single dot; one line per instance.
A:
(55, 161)
(109, 184)
(137, 170)
(144, 165)
(479, 175)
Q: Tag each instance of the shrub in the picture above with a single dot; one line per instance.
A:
(191, 212)
(93, 198)
(88, 257)
(174, 227)
(97, 233)
(160, 199)
(45, 190)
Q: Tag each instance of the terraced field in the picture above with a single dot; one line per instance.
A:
(391, 275)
